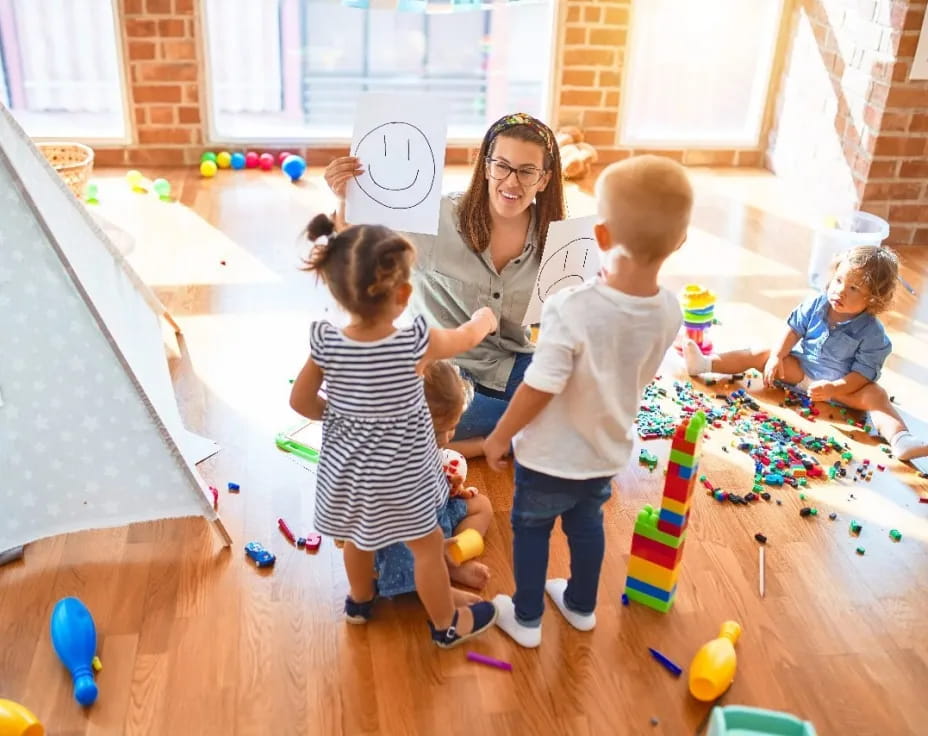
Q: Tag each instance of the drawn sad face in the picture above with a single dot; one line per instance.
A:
(399, 165)
(570, 265)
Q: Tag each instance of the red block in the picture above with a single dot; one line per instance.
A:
(680, 443)
(677, 488)
(659, 554)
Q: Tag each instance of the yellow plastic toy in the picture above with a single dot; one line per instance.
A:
(713, 668)
(224, 159)
(466, 546)
(17, 720)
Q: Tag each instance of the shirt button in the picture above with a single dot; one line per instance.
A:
(496, 295)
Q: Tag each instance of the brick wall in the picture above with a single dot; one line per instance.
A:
(593, 38)
(849, 130)
(162, 58)
(897, 183)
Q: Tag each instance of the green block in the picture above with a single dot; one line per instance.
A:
(649, 600)
(697, 424)
(646, 526)
(682, 459)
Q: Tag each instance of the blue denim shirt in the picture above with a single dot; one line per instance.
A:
(858, 345)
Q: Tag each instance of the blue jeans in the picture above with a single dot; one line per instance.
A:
(488, 404)
(538, 501)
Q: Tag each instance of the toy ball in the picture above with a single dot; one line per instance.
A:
(208, 169)
(162, 188)
(224, 160)
(238, 160)
(134, 178)
(294, 166)
(281, 157)
(251, 160)
(266, 161)
(208, 156)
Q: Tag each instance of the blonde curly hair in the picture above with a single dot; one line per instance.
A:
(877, 268)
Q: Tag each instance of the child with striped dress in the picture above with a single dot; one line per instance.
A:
(380, 475)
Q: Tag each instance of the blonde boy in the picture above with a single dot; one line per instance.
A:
(570, 421)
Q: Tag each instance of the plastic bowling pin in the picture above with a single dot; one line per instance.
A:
(713, 668)
(75, 640)
(17, 720)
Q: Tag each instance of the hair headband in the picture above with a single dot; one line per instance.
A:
(521, 118)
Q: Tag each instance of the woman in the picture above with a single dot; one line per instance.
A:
(486, 253)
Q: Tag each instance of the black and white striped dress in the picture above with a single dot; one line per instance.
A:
(380, 475)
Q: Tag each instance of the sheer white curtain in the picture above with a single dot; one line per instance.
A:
(698, 72)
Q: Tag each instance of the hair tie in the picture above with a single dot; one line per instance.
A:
(521, 118)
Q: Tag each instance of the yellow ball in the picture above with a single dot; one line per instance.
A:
(224, 159)
(134, 178)
(208, 169)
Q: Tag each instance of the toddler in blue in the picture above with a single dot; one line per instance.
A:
(834, 346)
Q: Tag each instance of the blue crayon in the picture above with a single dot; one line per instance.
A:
(671, 666)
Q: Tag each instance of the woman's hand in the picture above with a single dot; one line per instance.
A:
(340, 171)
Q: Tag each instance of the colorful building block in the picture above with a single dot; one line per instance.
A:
(657, 544)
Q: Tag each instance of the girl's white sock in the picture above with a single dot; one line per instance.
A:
(906, 446)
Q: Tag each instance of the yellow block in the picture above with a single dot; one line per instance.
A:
(648, 572)
(678, 507)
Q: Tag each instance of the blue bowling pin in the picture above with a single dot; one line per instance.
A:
(75, 640)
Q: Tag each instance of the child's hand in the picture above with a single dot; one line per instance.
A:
(773, 370)
(340, 171)
(821, 390)
(487, 319)
(496, 449)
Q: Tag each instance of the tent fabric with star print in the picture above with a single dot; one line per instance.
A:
(90, 434)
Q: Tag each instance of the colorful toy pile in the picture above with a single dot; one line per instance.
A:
(657, 544)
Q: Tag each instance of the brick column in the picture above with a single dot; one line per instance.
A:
(161, 54)
(897, 182)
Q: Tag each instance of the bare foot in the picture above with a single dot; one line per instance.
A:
(473, 574)
(462, 598)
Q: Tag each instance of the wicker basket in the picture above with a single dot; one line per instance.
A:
(72, 161)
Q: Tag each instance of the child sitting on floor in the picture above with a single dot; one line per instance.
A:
(447, 395)
(834, 346)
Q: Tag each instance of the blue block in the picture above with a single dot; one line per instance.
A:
(687, 473)
(648, 589)
(672, 517)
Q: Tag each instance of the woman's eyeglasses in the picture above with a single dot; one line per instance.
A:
(500, 170)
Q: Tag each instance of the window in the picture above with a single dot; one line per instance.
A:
(698, 73)
(294, 69)
(60, 68)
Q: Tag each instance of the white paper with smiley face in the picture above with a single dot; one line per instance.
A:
(571, 257)
(400, 141)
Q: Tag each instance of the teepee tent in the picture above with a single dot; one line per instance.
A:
(90, 434)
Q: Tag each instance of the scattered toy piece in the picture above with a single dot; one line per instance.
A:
(832, 516)
(760, 538)
(312, 542)
(895, 535)
(301, 542)
(234, 487)
(861, 551)
(668, 664)
(282, 525)
(96, 664)
(624, 599)
(855, 527)
(483, 659)
(805, 511)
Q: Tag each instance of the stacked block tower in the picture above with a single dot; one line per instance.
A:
(657, 544)
(698, 313)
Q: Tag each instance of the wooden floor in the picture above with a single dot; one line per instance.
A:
(195, 640)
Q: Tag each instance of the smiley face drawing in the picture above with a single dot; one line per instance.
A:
(570, 265)
(399, 165)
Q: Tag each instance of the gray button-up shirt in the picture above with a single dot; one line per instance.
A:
(451, 281)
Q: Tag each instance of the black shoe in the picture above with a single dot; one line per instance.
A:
(484, 614)
(359, 613)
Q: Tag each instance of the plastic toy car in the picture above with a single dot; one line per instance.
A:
(261, 556)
